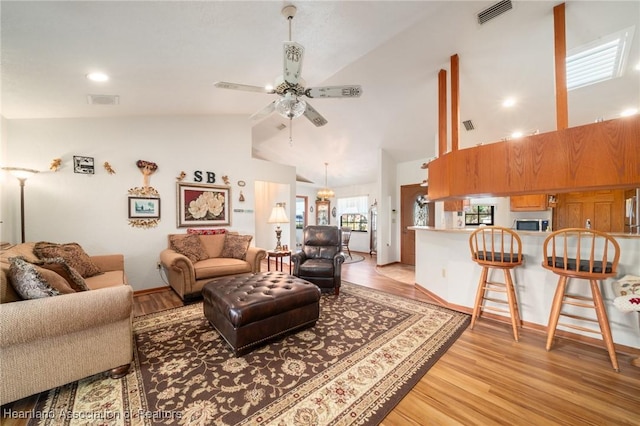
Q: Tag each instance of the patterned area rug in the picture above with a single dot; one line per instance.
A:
(365, 353)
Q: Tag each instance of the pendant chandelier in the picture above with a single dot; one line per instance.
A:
(325, 193)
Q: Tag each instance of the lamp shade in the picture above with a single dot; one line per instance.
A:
(20, 172)
(278, 215)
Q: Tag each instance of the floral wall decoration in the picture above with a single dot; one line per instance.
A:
(108, 168)
(55, 164)
(203, 205)
(144, 201)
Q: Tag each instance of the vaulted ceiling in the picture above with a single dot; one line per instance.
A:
(163, 58)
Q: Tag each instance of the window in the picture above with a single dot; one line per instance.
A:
(357, 222)
(598, 61)
(478, 215)
(353, 213)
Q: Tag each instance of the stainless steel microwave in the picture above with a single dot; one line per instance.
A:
(531, 224)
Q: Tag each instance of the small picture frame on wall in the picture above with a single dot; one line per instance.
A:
(83, 165)
(144, 208)
(203, 205)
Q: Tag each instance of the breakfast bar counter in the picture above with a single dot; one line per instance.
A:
(445, 270)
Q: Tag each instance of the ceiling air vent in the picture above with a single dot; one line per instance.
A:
(495, 10)
(468, 125)
(103, 99)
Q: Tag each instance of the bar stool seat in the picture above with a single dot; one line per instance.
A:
(587, 255)
(495, 247)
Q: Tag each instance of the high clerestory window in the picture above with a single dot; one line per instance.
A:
(599, 60)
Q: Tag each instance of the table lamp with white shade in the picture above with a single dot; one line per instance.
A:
(278, 216)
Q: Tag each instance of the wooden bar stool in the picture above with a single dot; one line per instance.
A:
(498, 248)
(587, 255)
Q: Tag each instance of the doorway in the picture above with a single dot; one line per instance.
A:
(301, 217)
(414, 211)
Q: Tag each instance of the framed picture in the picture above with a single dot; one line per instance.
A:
(203, 205)
(83, 165)
(144, 208)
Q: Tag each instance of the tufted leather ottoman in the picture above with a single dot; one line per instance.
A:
(251, 309)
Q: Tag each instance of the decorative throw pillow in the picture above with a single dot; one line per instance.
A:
(189, 245)
(28, 281)
(236, 246)
(62, 268)
(72, 253)
(206, 231)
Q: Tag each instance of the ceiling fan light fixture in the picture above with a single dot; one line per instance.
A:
(289, 106)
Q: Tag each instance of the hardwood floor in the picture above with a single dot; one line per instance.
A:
(486, 378)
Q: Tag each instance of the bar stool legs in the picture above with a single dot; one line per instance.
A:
(480, 295)
(508, 288)
(554, 316)
(597, 303)
(603, 321)
(516, 321)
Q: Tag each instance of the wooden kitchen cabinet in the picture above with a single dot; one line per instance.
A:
(595, 156)
(604, 209)
(529, 203)
(453, 206)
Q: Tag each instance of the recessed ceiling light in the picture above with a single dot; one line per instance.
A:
(97, 76)
(268, 87)
(629, 111)
(637, 67)
(516, 134)
(509, 102)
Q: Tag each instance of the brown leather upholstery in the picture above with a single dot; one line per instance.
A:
(321, 258)
(251, 309)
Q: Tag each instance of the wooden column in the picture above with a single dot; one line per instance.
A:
(560, 41)
(442, 112)
(455, 102)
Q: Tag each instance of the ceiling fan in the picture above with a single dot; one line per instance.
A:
(290, 87)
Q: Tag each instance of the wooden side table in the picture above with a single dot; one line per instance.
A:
(278, 255)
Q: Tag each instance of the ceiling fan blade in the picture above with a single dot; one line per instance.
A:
(244, 87)
(264, 112)
(293, 54)
(314, 116)
(353, 91)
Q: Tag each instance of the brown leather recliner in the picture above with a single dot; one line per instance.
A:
(320, 260)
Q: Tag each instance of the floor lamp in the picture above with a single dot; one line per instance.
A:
(21, 174)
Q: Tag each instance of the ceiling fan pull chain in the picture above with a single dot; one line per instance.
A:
(291, 132)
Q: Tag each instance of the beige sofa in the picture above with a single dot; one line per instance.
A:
(48, 342)
(187, 277)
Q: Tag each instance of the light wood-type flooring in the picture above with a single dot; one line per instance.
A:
(486, 378)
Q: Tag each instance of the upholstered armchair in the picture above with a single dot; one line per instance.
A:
(320, 260)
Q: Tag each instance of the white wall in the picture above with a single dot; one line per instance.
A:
(92, 209)
(388, 223)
